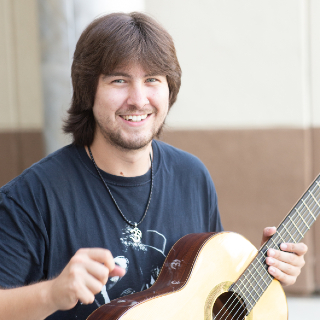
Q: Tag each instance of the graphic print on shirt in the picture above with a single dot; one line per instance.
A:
(158, 241)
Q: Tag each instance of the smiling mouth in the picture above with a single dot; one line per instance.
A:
(135, 118)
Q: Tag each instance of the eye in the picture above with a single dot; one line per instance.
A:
(118, 81)
(151, 80)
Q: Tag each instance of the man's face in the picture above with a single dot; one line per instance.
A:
(130, 107)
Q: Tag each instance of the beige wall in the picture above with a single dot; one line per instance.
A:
(246, 64)
(21, 109)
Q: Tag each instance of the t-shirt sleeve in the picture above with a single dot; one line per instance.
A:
(22, 245)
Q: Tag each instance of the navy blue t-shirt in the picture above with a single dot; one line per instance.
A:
(60, 205)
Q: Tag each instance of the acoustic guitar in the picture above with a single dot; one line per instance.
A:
(218, 276)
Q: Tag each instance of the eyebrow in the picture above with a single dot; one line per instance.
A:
(123, 74)
(117, 74)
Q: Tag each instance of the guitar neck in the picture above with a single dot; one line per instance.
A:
(255, 280)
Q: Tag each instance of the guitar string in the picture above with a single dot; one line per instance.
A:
(226, 307)
(298, 214)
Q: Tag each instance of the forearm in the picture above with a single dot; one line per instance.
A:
(30, 302)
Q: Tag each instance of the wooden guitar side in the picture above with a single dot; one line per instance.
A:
(197, 269)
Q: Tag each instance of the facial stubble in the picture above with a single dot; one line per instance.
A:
(115, 137)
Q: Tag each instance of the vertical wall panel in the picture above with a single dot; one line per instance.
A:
(28, 85)
(21, 120)
(8, 101)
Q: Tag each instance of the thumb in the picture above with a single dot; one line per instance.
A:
(117, 271)
(267, 233)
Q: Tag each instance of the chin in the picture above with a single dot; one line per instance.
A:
(136, 144)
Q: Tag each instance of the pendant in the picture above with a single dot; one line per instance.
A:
(136, 234)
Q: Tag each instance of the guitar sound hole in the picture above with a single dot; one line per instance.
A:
(229, 306)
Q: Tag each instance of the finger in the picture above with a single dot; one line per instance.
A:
(287, 257)
(99, 254)
(93, 284)
(267, 233)
(284, 267)
(298, 248)
(284, 279)
(85, 295)
(106, 266)
(103, 256)
(87, 280)
(97, 270)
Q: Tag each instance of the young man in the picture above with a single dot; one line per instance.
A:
(112, 204)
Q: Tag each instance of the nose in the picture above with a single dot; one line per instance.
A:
(137, 96)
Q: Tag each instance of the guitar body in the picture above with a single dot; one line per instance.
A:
(197, 271)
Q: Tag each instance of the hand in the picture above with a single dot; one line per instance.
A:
(284, 265)
(83, 277)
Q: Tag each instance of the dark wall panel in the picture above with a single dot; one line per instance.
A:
(19, 150)
(259, 176)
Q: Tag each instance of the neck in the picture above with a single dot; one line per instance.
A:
(119, 162)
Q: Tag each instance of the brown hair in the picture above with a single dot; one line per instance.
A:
(108, 42)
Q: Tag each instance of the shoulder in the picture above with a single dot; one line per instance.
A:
(172, 156)
(51, 168)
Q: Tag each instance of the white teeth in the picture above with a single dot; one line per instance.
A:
(135, 118)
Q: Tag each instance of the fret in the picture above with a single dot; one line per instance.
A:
(296, 226)
(312, 206)
(284, 234)
(244, 296)
(289, 233)
(249, 279)
(309, 210)
(267, 273)
(257, 281)
(252, 286)
(304, 221)
(315, 200)
(275, 244)
(279, 234)
(260, 275)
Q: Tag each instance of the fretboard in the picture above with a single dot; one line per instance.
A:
(255, 280)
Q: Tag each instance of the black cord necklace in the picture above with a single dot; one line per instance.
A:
(135, 231)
